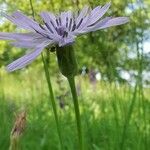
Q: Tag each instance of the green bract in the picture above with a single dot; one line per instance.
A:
(67, 61)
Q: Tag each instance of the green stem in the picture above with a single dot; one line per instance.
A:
(47, 75)
(77, 111)
(32, 9)
(127, 119)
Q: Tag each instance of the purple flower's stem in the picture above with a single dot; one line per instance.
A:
(77, 111)
(47, 75)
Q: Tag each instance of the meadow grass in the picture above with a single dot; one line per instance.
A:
(114, 117)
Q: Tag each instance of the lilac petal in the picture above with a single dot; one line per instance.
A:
(19, 36)
(52, 36)
(50, 25)
(29, 44)
(63, 17)
(83, 24)
(24, 22)
(105, 23)
(26, 59)
(81, 29)
(68, 19)
(27, 22)
(82, 14)
(100, 23)
(23, 61)
(24, 44)
(67, 41)
(50, 20)
(70, 22)
(24, 40)
(94, 15)
(21, 20)
(47, 16)
(97, 13)
(112, 22)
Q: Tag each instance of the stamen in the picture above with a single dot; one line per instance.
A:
(42, 34)
(52, 24)
(60, 21)
(59, 31)
(48, 27)
(79, 23)
(41, 26)
(57, 22)
(66, 22)
(37, 31)
(74, 26)
(65, 34)
(70, 24)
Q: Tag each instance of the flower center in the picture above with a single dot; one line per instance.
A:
(62, 31)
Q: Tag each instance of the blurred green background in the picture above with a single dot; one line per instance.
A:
(113, 83)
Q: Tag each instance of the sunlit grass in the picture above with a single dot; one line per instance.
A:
(104, 111)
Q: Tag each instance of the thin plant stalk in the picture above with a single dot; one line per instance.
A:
(47, 75)
(77, 111)
(51, 94)
(128, 118)
(69, 68)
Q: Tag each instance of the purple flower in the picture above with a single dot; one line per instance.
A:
(59, 29)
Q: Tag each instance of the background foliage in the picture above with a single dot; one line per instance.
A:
(115, 114)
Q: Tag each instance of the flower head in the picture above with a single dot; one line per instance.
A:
(59, 29)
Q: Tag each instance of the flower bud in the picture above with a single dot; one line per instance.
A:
(67, 61)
